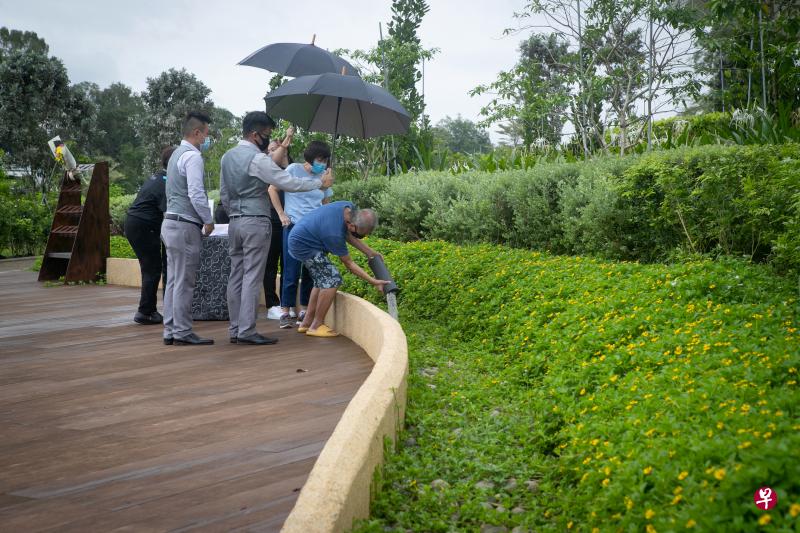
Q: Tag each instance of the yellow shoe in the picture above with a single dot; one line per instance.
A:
(322, 331)
(301, 329)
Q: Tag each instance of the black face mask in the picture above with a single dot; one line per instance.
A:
(263, 144)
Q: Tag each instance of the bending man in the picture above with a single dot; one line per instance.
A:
(329, 229)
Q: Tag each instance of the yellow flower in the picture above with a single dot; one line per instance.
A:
(683, 475)
(569, 525)
(650, 529)
(649, 514)
(719, 474)
(764, 520)
(647, 470)
(676, 500)
(629, 503)
(606, 481)
(690, 524)
(794, 510)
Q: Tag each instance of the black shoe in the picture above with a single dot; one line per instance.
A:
(234, 340)
(153, 318)
(256, 339)
(168, 341)
(193, 339)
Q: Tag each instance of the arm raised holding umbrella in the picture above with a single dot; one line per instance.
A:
(246, 172)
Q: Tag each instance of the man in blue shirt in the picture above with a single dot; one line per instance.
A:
(329, 229)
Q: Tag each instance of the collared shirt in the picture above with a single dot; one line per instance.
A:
(264, 168)
(190, 164)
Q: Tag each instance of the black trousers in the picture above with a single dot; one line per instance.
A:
(145, 240)
(273, 261)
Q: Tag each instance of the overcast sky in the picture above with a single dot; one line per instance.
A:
(108, 41)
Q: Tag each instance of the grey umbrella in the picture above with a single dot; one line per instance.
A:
(297, 59)
(337, 104)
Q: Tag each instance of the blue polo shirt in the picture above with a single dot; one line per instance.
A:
(299, 204)
(322, 230)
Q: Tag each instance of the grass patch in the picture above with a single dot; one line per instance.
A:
(558, 393)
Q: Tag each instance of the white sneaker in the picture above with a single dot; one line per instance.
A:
(274, 312)
(292, 313)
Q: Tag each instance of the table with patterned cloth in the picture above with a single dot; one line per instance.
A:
(210, 293)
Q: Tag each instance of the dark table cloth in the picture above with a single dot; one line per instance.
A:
(209, 301)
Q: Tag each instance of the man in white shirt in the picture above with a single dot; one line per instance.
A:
(245, 174)
(187, 218)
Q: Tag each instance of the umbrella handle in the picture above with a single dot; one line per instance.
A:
(335, 130)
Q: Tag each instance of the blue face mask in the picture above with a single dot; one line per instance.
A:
(318, 168)
(206, 144)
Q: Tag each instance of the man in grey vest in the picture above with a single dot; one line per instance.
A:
(186, 219)
(245, 175)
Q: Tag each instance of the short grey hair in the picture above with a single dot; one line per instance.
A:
(366, 220)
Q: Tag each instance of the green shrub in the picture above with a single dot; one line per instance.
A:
(118, 207)
(590, 394)
(734, 200)
(121, 248)
(363, 193)
(24, 223)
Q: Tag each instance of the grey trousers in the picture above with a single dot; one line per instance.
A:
(248, 246)
(183, 242)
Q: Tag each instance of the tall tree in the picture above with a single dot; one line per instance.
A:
(36, 103)
(167, 99)
(396, 63)
(23, 41)
(631, 55)
(533, 96)
(461, 135)
(749, 53)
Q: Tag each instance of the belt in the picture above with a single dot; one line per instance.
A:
(249, 216)
(182, 219)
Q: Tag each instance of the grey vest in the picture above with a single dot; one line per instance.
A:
(247, 195)
(177, 189)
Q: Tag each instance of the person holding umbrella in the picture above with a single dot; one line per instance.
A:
(329, 229)
(245, 173)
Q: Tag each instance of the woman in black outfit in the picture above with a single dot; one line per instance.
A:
(143, 230)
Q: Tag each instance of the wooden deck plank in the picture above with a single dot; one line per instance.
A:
(107, 429)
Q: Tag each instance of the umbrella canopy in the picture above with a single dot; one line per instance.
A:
(332, 103)
(297, 59)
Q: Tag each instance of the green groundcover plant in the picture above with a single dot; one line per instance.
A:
(552, 393)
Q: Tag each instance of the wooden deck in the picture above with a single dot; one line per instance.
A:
(103, 428)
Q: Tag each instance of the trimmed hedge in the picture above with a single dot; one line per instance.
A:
(733, 200)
